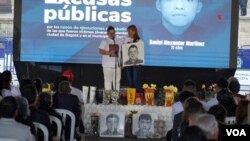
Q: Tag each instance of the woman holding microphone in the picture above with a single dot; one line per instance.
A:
(110, 60)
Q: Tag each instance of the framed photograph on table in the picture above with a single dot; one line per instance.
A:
(133, 54)
(143, 125)
(112, 124)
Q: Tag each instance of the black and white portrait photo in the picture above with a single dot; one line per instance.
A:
(143, 125)
(112, 124)
(133, 54)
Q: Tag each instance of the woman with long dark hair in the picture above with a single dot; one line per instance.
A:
(133, 72)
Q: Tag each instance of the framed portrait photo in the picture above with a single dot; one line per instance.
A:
(143, 125)
(133, 54)
(112, 124)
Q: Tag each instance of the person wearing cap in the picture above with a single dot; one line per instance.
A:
(74, 91)
(225, 97)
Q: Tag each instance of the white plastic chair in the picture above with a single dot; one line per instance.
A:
(58, 124)
(43, 129)
(64, 113)
(230, 120)
(8, 139)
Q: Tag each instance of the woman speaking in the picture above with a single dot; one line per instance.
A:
(109, 49)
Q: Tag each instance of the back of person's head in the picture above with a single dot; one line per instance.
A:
(222, 83)
(24, 82)
(58, 81)
(234, 87)
(8, 107)
(69, 75)
(185, 95)
(192, 108)
(6, 79)
(242, 112)
(39, 84)
(219, 112)
(64, 87)
(189, 85)
(209, 125)
(45, 100)
(232, 78)
(30, 93)
(193, 133)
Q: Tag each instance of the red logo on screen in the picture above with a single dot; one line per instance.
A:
(220, 17)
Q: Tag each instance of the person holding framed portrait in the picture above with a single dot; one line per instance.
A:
(133, 72)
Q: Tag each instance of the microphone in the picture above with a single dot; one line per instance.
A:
(113, 38)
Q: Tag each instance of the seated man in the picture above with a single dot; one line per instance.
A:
(45, 104)
(65, 100)
(36, 115)
(74, 91)
(209, 125)
(9, 128)
(145, 124)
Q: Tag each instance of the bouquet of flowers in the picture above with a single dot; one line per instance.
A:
(207, 93)
(149, 93)
(170, 92)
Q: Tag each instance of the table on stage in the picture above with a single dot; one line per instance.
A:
(164, 113)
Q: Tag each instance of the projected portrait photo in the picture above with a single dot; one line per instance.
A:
(112, 124)
(143, 125)
(133, 54)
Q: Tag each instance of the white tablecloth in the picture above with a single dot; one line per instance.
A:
(164, 113)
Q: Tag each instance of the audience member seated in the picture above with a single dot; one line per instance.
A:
(24, 82)
(225, 97)
(177, 109)
(242, 112)
(45, 104)
(74, 90)
(234, 87)
(220, 114)
(39, 84)
(9, 128)
(24, 113)
(56, 88)
(193, 133)
(69, 102)
(36, 115)
(208, 125)
(7, 88)
(190, 86)
(192, 108)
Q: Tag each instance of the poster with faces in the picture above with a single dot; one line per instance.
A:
(143, 125)
(133, 54)
(112, 124)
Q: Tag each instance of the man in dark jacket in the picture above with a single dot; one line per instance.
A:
(225, 97)
(36, 115)
(64, 100)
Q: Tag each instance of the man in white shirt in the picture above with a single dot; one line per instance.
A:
(9, 128)
(74, 91)
(110, 64)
